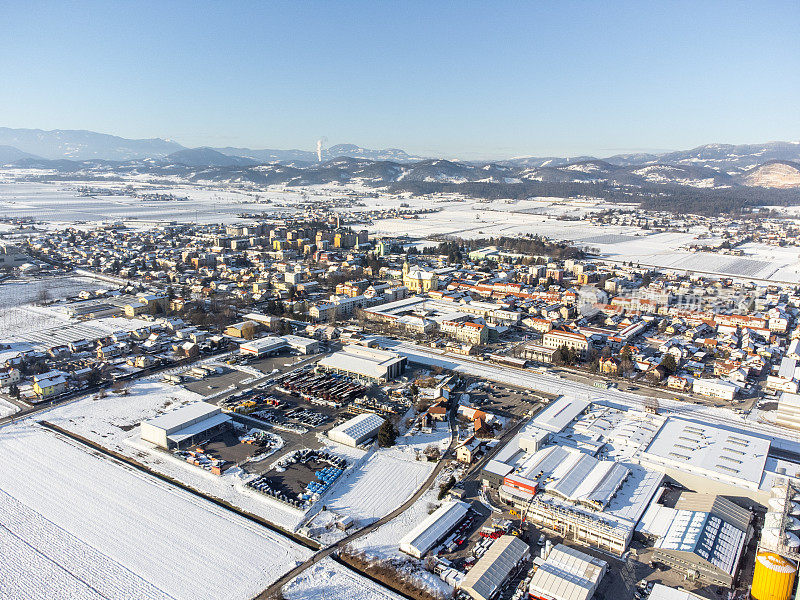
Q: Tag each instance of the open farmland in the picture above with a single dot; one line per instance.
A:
(17, 292)
(110, 532)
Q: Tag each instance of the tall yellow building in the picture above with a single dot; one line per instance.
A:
(419, 280)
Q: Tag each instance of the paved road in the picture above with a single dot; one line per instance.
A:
(272, 590)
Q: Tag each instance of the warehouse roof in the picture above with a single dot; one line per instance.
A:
(716, 452)
(705, 534)
(435, 526)
(567, 574)
(199, 427)
(489, 573)
(370, 362)
(663, 592)
(265, 343)
(560, 413)
(181, 417)
(359, 425)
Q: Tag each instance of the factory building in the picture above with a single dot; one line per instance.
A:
(503, 558)
(572, 469)
(266, 346)
(184, 427)
(700, 456)
(789, 410)
(434, 528)
(301, 344)
(357, 430)
(567, 574)
(703, 537)
(366, 364)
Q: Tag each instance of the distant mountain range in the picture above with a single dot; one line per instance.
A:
(89, 145)
(769, 165)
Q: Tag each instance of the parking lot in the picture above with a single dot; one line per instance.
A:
(301, 475)
(214, 384)
(504, 400)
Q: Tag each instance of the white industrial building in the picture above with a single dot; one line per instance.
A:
(789, 410)
(265, 346)
(185, 426)
(703, 536)
(504, 556)
(567, 574)
(270, 345)
(357, 430)
(574, 469)
(301, 344)
(697, 455)
(434, 528)
(715, 388)
(369, 364)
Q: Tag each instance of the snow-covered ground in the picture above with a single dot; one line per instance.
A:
(378, 486)
(6, 408)
(16, 292)
(77, 525)
(383, 543)
(113, 422)
(327, 579)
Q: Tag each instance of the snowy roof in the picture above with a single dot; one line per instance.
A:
(184, 416)
(489, 573)
(358, 426)
(575, 476)
(560, 413)
(370, 362)
(198, 427)
(434, 527)
(706, 535)
(663, 592)
(265, 343)
(567, 574)
(711, 451)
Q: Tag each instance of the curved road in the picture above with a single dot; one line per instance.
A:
(273, 590)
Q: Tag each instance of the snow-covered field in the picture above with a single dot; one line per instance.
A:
(383, 543)
(328, 579)
(113, 422)
(6, 408)
(77, 525)
(16, 292)
(377, 487)
(466, 218)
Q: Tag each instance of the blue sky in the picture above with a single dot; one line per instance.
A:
(460, 79)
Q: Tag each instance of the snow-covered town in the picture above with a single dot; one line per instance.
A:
(387, 415)
(399, 300)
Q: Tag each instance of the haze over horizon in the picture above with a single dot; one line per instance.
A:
(481, 82)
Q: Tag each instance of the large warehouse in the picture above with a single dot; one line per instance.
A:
(185, 426)
(434, 528)
(501, 560)
(357, 430)
(369, 364)
(567, 574)
(704, 537)
(265, 346)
